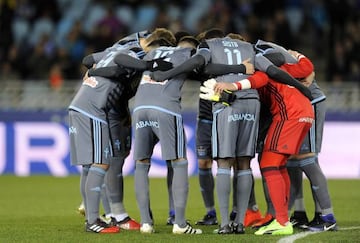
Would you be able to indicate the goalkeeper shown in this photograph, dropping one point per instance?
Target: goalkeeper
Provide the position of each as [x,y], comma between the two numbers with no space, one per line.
[293,111]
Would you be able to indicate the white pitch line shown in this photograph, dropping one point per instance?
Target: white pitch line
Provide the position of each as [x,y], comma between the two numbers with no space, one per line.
[350,228]
[293,238]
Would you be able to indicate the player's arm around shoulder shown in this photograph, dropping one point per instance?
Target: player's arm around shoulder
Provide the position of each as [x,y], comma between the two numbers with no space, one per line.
[303,68]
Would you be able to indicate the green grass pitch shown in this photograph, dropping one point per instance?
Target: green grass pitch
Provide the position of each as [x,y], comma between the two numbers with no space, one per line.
[43,209]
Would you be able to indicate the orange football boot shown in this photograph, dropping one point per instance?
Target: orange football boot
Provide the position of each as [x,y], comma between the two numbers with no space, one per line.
[252,217]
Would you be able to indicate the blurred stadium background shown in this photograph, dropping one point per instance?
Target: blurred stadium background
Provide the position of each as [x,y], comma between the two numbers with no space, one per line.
[42,43]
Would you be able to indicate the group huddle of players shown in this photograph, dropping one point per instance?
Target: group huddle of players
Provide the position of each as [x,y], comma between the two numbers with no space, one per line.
[254,98]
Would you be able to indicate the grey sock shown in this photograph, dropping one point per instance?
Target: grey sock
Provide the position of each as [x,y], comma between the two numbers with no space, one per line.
[94,182]
[83,178]
[169,181]
[252,200]
[180,188]
[223,189]
[317,205]
[296,189]
[115,185]
[104,198]
[142,191]
[206,181]
[234,195]
[318,183]
[244,181]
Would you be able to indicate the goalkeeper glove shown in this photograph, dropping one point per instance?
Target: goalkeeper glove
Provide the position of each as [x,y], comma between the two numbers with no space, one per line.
[207,93]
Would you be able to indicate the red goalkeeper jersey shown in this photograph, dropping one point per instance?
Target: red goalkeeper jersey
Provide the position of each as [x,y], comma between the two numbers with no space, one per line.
[286,102]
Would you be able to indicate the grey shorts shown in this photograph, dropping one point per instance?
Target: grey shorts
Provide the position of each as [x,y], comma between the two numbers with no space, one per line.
[313,140]
[89,140]
[120,134]
[235,129]
[203,139]
[152,126]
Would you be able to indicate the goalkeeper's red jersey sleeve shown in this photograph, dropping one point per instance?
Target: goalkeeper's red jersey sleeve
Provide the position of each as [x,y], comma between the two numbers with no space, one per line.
[255,81]
[258,79]
[303,68]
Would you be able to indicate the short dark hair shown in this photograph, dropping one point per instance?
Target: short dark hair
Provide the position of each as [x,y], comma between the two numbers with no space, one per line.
[189,38]
[160,42]
[214,33]
[178,35]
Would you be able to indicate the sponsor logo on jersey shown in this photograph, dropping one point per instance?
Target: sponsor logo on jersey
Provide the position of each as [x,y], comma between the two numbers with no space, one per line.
[72,130]
[241,117]
[306,119]
[147,80]
[142,124]
[91,82]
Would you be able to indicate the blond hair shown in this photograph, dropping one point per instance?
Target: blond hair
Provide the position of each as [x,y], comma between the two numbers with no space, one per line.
[236,36]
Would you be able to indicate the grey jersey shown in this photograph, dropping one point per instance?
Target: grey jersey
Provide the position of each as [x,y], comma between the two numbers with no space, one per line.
[266,47]
[320,111]
[92,96]
[166,95]
[108,55]
[232,52]
[313,140]
[106,58]
[263,47]
[317,93]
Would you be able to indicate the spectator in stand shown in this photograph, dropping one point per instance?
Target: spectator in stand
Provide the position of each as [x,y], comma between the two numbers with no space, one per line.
[23,22]
[24,12]
[6,16]
[38,62]
[56,77]
[338,66]
[44,25]
[7,73]
[113,23]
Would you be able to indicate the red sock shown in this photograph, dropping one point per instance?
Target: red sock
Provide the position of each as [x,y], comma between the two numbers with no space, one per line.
[286,178]
[277,192]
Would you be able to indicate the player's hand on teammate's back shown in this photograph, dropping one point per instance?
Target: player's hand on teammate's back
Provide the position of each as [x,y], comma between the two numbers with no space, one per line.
[159,64]
[158,68]
[207,92]
[250,69]
[86,75]
[308,80]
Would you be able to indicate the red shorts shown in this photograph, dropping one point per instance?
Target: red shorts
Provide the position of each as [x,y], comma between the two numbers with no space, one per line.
[287,136]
